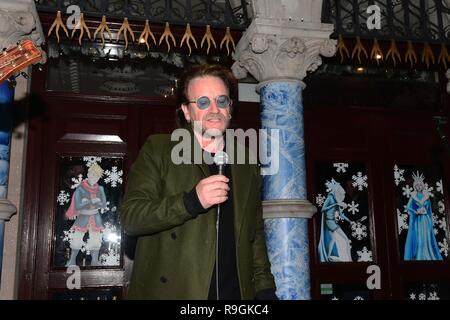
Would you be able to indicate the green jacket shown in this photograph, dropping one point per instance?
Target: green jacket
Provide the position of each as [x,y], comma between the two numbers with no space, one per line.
[175,252]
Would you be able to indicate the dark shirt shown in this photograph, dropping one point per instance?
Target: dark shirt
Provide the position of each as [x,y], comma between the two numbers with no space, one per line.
[228,276]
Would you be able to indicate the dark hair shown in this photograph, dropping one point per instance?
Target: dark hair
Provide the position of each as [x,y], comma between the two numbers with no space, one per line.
[198,71]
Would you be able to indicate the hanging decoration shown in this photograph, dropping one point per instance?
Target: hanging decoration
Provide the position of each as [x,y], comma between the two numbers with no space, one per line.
[58,24]
[208,37]
[102,28]
[427,54]
[166,35]
[227,39]
[188,36]
[126,29]
[358,49]
[376,52]
[393,53]
[143,38]
[411,54]
[82,26]
[444,56]
[342,48]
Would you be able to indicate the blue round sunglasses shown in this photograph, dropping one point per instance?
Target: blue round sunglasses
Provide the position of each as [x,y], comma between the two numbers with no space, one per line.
[204,102]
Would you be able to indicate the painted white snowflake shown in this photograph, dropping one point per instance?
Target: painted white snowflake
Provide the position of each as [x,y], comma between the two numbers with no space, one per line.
[110,259]
[402,221]
[428,190]
[69,238]
[114,209]
[441,207]
[412,296]
[320,199]
[422,296]
[114,177]
[91,160]
[443,247]
[433,296]
[434,218]
[337,216]
[340,167]
[68,235]
[105,209]
[76,181]
[360,181]
[398,175]
[442,224]
[436,231]
[364,255]
[359,231]
[439,187]
[407,191]
[353,207]
[335,298]
[63,198]
[358,298]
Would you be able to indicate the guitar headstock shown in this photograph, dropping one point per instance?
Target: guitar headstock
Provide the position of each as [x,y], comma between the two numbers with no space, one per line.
[16,59]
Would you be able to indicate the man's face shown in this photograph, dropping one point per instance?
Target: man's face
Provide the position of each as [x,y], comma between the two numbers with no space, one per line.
[213,118]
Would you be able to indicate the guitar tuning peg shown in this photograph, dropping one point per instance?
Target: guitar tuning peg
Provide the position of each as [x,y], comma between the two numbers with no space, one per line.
[12,83]
[40,67]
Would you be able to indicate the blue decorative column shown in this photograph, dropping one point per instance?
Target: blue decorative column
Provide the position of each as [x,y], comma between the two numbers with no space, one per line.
[6,208]
[283,43]
[287,238]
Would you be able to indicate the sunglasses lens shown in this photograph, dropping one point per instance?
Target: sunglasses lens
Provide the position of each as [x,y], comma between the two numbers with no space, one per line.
[203,102]
[223,101]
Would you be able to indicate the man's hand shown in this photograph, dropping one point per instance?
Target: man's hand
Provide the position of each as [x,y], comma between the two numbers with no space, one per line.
[212,190]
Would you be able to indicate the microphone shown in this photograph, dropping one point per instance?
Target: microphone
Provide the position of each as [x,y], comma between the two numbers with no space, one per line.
[220,159]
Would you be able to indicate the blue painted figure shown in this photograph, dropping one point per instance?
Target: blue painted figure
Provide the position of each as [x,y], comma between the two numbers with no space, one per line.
[420,242]
[87,200]
[334,245]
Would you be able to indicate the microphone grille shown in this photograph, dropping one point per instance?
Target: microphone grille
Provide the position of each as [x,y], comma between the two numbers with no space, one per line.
[221,158]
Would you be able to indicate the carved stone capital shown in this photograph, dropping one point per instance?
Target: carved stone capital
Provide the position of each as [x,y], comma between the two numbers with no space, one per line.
[7,210]
[276,49]
[18,21]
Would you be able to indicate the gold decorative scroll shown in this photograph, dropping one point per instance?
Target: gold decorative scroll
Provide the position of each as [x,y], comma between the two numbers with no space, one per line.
[411,54]
[376,52]
[188,36]
[143,38]
[166,35]
[227,39]
[358,49]
[208,37]
[444,56]
[126,29]
[103,28]
[393,53]
[342,48]
[83,27]
[427,54]
[58,24]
